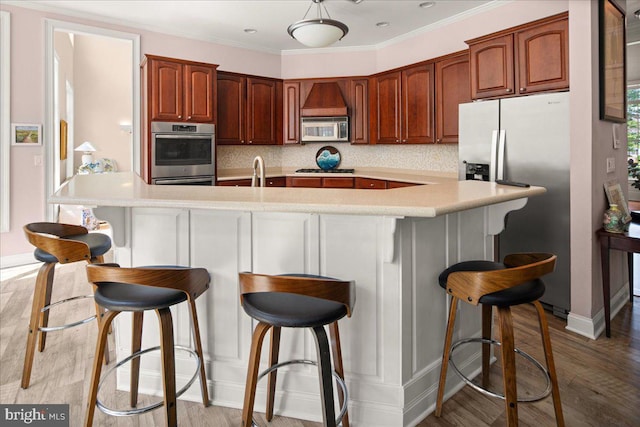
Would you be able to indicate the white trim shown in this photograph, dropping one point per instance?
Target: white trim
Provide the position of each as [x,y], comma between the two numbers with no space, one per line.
[52,25]
[5,119]
[592,328]
[17,260]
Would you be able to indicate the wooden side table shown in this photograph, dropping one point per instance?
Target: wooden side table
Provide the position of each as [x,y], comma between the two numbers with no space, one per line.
[628,242]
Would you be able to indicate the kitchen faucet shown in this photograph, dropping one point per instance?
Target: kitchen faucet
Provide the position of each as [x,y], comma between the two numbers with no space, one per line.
[258,163]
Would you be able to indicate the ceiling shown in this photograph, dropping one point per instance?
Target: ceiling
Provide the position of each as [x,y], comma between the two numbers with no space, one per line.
[225,21]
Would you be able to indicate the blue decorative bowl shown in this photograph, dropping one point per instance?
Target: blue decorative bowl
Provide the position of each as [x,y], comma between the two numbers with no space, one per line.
[328,158]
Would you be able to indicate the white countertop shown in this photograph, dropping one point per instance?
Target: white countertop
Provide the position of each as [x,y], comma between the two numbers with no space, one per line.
[443,195]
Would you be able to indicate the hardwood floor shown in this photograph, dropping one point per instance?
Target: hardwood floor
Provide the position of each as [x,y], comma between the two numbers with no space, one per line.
[599,380]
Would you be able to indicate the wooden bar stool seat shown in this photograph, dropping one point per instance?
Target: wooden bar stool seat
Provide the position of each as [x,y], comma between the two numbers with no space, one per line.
[516,281]
[137,290]
[57,243]
[297,301]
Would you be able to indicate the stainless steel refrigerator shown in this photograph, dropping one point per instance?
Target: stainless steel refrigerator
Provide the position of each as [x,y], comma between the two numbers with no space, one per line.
[526,139]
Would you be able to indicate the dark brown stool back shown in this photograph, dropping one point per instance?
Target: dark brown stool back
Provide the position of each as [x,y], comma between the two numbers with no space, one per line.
[56,243]
[516,281]
[296,301]
[137,290]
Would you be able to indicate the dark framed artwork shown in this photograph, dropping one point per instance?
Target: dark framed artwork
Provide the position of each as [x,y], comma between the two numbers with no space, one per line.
[613,67]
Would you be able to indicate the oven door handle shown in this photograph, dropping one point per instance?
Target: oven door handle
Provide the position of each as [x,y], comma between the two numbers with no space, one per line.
[181,181]
[182,136]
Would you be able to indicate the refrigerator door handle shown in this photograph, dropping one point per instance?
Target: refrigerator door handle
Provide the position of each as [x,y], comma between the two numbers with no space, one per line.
[501,144]
[494,156]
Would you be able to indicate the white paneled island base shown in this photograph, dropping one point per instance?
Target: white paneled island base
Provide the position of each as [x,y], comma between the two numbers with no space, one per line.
[392,345]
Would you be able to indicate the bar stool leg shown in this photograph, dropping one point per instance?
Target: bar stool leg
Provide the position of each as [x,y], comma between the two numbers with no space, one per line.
[44,315]
[487,311]
[198,345]
[136,345]
[45,275]
[252,372]
[273,359]
[325,376]
[551,367]
[446,351]
[99,310]
[334,335]
[103,332]
[508,365]
[168,366]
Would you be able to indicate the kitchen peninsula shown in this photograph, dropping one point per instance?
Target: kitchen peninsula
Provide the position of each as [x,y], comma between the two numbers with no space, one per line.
[393,243]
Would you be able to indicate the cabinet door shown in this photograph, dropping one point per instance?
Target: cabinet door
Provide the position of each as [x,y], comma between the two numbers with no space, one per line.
[358,93]
[543,57]
[291,117]
[261,111]
[304,181]
[491,65]
[417,105]
[166,90]
[452,89]
[231,109]
[199,94]
[370,183]
[337,182]
[386,118]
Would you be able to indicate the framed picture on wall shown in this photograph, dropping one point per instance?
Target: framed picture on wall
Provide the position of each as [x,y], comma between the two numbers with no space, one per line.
[63,140]
[26,135]
[613,69]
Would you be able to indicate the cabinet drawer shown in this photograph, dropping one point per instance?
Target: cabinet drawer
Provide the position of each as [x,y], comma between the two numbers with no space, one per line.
[278,181]
[337,182]
[399,184]
[303,181]
[370,183]
[235,183]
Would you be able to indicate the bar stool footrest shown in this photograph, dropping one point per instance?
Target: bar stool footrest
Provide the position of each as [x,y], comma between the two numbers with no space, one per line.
[144,410]
[488,392]
[339,381]
[68,325]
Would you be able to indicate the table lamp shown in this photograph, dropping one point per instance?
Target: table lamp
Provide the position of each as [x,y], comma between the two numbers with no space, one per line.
[87,149]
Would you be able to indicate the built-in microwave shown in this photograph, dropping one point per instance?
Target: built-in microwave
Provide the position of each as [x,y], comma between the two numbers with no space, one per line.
[325,129]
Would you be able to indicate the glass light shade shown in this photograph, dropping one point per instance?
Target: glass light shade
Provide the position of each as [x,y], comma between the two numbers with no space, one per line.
[86,147]
[318,32]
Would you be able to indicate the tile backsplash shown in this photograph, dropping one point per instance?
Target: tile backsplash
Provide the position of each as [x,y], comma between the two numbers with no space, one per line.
[442,158]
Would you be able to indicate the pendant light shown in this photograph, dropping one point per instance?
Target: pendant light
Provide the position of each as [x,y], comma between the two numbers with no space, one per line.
[319,32]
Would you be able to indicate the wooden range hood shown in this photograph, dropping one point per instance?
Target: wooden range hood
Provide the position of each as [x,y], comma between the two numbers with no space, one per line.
[324,100]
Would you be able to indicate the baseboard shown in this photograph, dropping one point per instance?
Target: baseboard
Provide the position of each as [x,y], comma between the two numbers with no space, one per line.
[593,327]
[17,260]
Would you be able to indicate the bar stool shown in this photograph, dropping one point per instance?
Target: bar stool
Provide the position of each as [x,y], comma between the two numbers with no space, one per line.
[297,301]
[137,290]
[515,282]
[57,243]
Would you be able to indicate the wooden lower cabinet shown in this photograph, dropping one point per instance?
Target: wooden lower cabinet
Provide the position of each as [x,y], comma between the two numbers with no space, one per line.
[370,183]
[319,182]
[278,181]
[399,184]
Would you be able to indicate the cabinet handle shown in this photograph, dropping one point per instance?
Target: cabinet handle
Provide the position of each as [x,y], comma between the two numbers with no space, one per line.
[189,118]
[438,141]
[523,89]
[180,117]
[242,142]
[404,140]
[508,90]
[370,185]
[250,142]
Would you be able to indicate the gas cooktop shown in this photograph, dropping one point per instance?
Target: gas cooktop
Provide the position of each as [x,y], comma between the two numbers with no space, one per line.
[324,171]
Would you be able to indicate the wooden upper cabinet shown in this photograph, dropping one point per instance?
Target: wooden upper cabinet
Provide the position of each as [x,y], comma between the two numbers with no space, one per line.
[543,57]
[291,118]
[231,109]
[452,89]
[531,58]
[402,106]
[249,110]
[262,111]
[200,101]
[491,63]
[181,90]
[359,103]
[418,105]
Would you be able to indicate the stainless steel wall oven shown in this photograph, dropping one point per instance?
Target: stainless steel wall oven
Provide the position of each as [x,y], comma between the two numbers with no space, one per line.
[182,153]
